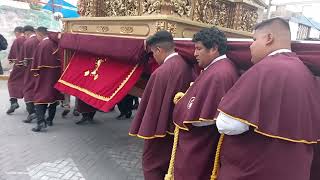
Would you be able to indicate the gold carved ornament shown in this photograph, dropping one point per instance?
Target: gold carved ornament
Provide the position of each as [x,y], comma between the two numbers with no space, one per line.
[181,7]
[215,12]
[121,8]
[248,17]
[151,6]
[94,72]
[170,27]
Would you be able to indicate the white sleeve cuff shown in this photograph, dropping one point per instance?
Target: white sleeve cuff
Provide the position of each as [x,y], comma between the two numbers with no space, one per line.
[230,126]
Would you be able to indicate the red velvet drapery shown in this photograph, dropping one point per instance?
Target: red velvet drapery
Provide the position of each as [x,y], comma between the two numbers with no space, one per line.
[124,60]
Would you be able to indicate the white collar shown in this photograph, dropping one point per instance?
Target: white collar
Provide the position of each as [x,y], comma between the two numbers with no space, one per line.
[279,51]
[215,60]
[46,38]
[32,35]
[170,56]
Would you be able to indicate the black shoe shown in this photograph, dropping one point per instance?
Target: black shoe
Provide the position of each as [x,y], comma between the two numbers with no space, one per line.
[91,121]
[82,120]
[39,127]
[50,123]
[76,113]
[30,118]
[12,108]
[121,117]
[65,112]
[128,115]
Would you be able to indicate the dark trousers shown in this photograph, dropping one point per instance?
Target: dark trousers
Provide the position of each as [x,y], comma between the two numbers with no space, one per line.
[41,111]
[13,100]
[126,105]
[1,70]
[88,115]
[156,157]
[136,100]
[30,108]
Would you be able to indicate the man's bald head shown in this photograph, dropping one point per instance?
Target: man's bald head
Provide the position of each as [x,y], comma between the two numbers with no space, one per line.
[270,35]
[278,26]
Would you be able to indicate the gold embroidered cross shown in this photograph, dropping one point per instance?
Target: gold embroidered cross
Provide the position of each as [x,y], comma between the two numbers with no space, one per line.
[94,72]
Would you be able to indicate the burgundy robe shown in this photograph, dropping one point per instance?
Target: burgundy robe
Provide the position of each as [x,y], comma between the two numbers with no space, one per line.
[197,145]
[153,120]
[315,168]
[29,48]
[16,78]
[46,67]
[278,98]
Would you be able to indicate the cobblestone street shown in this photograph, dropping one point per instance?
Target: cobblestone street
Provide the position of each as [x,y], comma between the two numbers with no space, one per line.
[100,151]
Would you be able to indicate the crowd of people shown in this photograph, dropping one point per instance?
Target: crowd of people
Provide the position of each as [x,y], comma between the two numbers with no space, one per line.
[260,124]
[226,124]
[36,68]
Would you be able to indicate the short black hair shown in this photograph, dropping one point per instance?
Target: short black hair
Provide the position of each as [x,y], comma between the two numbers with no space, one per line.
[18,29]
[28,28]
[211,38]
[268,22]
[163,39]
[42,30]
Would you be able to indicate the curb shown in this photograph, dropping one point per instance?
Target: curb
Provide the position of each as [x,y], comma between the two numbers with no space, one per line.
[4,77]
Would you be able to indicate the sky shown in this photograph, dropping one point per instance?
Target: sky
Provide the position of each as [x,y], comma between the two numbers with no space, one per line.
[309,9]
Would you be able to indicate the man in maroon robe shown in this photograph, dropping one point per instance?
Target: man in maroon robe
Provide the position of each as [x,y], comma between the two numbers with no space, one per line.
[15,81]
[270,117]
[153,120]
[195,112]
[46,68]
[28,50]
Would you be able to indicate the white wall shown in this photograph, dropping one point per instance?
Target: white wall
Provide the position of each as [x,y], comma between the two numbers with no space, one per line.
[14,4]
[314,33]
[294,30]
[11,16]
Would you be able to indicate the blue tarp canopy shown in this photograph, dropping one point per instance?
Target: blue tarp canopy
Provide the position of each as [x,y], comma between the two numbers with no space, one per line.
[68,10]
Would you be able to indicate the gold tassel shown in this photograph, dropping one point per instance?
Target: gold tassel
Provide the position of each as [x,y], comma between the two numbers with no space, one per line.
[170,174]
[214,174]
[177,97]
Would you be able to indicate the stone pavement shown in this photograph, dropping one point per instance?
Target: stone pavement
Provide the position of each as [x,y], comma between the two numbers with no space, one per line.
[100,151]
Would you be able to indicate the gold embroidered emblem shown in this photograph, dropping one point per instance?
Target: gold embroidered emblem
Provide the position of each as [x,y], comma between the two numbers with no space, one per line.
[94,72]
[191,102]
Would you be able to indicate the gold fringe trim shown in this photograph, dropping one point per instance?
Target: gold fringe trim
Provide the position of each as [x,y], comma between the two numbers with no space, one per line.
[270,135]
[97,96]
[214,174]
[199,120]
[183,128]
[170,173]
[151,137]
[51,67]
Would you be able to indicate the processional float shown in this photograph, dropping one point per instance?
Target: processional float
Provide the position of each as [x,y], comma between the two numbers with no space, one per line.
[104,50]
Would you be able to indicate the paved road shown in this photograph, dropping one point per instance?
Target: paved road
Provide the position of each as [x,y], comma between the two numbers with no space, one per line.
[101,151]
